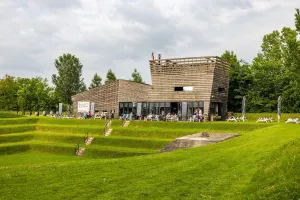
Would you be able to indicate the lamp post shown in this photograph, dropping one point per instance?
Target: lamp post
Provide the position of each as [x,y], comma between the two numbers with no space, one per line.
[279,108]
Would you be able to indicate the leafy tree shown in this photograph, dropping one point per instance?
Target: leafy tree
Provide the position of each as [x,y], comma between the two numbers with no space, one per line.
[68,81]
[240,80]
[110,76]
[8,93]
[96,81]
[83,88]
[297,20]
[33,94]
[136,76]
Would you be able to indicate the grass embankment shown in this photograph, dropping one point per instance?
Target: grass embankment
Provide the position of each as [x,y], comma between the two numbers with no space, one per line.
[60,136]
[262,164]
[173,130]
[10,115]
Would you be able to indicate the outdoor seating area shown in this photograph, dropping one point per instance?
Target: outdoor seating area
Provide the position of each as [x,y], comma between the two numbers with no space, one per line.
[292,120]
[57,115]
[168,118]
[127,116]
[102,115]
[265,120]
[197,118]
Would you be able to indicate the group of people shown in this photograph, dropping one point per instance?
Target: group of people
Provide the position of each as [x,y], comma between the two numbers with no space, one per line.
[86,115]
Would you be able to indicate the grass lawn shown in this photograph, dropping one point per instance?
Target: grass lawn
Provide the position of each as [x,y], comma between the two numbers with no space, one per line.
[38,164]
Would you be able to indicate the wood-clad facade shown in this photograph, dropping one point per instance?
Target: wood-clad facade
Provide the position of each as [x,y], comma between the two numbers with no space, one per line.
[178,85]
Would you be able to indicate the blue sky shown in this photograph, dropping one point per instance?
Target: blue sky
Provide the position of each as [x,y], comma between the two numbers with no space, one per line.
[121,34]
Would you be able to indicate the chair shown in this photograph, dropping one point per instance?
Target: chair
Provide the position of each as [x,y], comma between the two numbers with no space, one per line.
[232,119]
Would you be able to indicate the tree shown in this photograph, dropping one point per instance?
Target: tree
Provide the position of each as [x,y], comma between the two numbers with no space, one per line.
[240,80]
[96,81]
[110,76]
[83,88]
[8,93]
[34,94]
[297,20]
[136,76]
[68,81]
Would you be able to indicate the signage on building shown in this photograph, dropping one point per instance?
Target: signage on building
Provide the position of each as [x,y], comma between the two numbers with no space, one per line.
[83,106]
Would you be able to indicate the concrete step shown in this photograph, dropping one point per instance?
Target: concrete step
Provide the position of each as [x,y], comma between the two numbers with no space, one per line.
[80,151]
[126,124]
[108,132]
[89,141]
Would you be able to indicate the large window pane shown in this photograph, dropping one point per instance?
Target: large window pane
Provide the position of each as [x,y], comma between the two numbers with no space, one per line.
[168,108]
[121,109]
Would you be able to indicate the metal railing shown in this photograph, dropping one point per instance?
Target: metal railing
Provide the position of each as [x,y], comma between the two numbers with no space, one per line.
[123,123]
[77,148]
[86,137]
[106,127]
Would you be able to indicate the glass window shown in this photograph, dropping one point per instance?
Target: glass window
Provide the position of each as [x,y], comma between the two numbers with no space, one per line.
[151,108]
[121,109]
[201,104]
[168,108]
[130,108]
[190,109]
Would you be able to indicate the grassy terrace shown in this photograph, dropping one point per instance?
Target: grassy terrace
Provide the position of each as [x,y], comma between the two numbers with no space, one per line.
[37,161]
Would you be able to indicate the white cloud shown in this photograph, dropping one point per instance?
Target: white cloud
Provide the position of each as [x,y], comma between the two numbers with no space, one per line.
[121,34]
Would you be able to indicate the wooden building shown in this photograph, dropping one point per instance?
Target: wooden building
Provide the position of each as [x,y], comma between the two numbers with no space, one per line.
[179,85]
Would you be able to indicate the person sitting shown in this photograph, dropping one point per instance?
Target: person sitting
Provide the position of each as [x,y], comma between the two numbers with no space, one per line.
[89,115]
[168,117]
[84,115]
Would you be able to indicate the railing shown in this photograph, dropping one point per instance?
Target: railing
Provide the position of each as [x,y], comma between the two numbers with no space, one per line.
[86,137]
[188,60]
[77,148]
[124,121]
[106,127]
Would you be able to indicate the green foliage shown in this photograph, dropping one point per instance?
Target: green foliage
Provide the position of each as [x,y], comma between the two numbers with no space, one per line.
[297,20]
[34,94]
[8,93]
[274,72]
[110,76]
[240,78]
[68,81]
[96,81]
[136,76]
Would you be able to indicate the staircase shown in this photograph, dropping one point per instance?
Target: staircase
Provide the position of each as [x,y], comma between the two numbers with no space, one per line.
[126,124]
[80,151]
[108,132]
[89,141]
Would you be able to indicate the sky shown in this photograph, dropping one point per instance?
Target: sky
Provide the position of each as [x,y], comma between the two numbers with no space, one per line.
[122,34]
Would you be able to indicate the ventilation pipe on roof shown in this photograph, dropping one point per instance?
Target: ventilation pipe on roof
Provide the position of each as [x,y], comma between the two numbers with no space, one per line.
[159,57]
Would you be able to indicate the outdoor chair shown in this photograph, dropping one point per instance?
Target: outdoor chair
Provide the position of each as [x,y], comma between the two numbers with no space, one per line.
[232,119]
[292,120]
[265,119]
[156,118]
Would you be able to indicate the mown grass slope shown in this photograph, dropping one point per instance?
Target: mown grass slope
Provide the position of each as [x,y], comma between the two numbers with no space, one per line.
[261,164]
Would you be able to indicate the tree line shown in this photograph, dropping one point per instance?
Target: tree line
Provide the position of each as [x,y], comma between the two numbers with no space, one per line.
[35,94]
[275,71]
